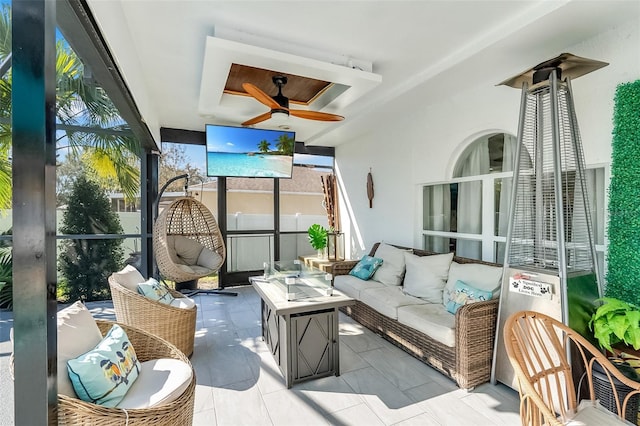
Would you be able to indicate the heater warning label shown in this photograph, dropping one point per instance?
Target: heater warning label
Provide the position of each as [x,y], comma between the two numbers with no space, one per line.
[522,285]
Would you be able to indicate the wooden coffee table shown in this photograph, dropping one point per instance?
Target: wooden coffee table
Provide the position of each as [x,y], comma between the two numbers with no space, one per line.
[300,320]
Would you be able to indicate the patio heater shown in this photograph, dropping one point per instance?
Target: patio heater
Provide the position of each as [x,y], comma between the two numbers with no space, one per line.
[550,260]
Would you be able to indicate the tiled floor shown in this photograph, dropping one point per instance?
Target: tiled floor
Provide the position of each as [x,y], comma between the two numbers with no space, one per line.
[238,381]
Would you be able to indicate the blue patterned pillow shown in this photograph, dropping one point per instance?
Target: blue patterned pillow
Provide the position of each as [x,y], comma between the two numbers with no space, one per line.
[464,294]
[155,291]
[366,267]
[104,374]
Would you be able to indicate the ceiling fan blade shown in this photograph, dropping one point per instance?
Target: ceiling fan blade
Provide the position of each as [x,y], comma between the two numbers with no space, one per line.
[315,115]
[258,119]
[260,95]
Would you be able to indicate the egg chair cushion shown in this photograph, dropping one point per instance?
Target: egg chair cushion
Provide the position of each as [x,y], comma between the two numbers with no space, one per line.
[187,249]
[209,259]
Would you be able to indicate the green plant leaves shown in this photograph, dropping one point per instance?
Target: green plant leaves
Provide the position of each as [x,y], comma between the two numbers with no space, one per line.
[317,236]
[616,321]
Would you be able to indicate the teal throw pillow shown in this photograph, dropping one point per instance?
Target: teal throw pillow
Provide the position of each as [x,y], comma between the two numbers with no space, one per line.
[464,294]
[366,267]
[104,374]
[155,291]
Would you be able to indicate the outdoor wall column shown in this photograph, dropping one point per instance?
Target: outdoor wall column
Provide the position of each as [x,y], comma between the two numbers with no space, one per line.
[34,211]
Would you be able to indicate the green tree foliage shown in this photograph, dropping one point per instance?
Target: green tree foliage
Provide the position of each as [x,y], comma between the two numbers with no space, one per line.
[86,264]
[173,162]
[79,102]
[624,197]
[285,144]
[263,146]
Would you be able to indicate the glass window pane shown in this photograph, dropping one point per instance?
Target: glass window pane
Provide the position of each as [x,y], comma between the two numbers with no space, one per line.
[502,204]
[249,204]
[437,209]
[437,244]
[248,252]
[301,200]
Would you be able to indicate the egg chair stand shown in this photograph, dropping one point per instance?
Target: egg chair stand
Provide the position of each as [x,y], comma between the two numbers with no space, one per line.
[187,242]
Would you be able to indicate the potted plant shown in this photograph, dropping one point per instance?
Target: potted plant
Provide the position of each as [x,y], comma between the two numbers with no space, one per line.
[616,327]
[318,238]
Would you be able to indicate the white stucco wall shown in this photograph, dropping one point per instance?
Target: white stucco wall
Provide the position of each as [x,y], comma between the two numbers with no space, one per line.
[424,146]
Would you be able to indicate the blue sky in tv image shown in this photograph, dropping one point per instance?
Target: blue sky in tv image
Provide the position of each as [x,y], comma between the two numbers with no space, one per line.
[242,139]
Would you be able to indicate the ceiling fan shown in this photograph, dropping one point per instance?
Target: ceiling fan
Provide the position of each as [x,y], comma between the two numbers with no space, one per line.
[279,104]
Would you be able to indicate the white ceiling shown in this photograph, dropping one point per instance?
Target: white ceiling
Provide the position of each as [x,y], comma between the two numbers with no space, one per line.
[419,52]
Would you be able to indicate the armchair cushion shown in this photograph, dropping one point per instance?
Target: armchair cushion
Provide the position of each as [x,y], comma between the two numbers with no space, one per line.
[160,381]
[183,303]
[426,276]
[392,268]
[104,374]
[129,277]
[73,321]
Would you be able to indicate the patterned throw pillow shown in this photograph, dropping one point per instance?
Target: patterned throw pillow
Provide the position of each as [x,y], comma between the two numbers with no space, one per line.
[104,374]
[366,267]
[155,291]
[464,294]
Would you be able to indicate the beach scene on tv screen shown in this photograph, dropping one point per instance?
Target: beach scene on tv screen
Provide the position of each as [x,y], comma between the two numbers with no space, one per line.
[247,152]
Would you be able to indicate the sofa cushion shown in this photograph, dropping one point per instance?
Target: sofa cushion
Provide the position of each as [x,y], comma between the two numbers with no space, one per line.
[73,321]
[386,300]
[105,374]
[392,269]
[431,319]
[482,277]
[366,267]
[463,294]
[352,286]
[161,381]
[129,277]
[426,276]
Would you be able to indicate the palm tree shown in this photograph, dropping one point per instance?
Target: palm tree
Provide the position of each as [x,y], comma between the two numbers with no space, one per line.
[263,146]
[108,156]
[285,144]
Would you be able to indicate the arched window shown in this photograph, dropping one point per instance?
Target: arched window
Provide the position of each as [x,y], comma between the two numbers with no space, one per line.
[470,213]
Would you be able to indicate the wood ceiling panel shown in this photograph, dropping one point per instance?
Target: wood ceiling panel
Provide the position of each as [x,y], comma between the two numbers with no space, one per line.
[299,90]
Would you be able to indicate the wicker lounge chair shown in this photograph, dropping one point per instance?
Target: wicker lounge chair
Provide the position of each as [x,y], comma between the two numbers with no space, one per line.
[72,411]
[174,324]
[555,391]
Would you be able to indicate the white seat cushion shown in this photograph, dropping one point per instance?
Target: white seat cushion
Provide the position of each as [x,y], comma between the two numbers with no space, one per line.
[187,249]
[201,270]
[183,302]
[160,381]
[78,333]
[386,300]
[431,319]
[596,415]
[129,277]
[209,259]
[352,286]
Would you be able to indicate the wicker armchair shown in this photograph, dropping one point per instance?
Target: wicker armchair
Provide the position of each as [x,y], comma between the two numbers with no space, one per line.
[176,325]
[72,411]
[555,391]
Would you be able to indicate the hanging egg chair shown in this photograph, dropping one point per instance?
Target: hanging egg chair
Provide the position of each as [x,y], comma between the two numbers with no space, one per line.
[187,241]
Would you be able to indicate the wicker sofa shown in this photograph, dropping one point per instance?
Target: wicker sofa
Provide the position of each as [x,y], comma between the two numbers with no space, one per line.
[466,358]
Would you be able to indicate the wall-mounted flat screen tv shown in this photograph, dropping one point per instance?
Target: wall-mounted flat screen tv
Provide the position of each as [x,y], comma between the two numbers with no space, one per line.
[249,152]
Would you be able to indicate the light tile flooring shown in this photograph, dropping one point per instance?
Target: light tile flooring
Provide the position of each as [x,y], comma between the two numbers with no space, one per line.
[239,383]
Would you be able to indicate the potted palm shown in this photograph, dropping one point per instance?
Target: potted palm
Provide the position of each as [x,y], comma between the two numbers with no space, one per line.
[318,238]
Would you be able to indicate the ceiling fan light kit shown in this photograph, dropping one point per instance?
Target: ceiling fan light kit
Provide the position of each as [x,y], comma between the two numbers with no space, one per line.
[279,106]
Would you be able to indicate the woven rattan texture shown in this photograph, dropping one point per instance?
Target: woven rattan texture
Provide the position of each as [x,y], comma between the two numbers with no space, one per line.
[189,218]
[468,363]
[72,411]
[176,325]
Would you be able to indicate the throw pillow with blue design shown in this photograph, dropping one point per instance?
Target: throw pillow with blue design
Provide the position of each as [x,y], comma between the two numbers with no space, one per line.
[366,267]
